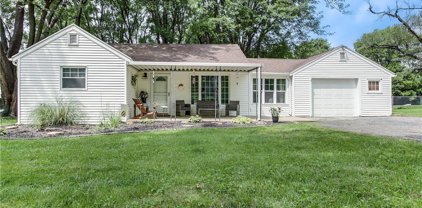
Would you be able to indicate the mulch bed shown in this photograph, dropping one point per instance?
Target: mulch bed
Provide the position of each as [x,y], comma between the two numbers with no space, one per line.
[30,132]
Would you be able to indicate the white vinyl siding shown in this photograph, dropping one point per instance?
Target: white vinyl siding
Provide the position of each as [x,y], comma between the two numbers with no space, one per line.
[40,78]
[282,88]
[369,104]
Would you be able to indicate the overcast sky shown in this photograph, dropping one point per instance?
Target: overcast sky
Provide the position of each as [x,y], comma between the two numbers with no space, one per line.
[347,28]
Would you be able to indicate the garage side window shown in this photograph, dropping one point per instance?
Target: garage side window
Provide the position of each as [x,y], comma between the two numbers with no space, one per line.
[373,86]
[73,78]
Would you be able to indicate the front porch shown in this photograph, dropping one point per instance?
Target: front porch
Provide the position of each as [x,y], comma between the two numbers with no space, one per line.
[175,89]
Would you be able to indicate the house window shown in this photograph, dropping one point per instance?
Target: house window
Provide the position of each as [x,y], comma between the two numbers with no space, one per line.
[73,78]
[274,90]
[374,86]
[224,89]
[255,90]
[73,39]
[281,91]
[194,90]
[209,88]
[269,91]
[343,56]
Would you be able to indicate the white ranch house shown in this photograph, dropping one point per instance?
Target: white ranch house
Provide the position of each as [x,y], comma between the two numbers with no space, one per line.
[104,78]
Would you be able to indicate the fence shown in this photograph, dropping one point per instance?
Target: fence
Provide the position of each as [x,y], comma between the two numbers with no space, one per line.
[407,100]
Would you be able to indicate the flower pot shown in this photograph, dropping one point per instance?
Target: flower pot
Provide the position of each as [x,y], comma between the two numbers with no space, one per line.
[275,119]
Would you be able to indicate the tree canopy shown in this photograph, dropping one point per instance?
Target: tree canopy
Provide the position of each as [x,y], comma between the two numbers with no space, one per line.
[407,82]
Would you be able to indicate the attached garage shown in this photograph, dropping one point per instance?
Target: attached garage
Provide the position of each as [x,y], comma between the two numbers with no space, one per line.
[334,97]
[341,83]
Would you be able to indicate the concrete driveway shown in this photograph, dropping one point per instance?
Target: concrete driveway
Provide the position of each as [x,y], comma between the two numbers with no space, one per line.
[404,127]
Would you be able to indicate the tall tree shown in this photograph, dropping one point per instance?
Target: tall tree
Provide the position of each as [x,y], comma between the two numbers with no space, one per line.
[311,48]
[406,83]
[409,15]
[11,44]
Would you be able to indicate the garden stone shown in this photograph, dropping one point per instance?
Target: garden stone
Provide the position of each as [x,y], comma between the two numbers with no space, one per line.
[11,127]
[55,133]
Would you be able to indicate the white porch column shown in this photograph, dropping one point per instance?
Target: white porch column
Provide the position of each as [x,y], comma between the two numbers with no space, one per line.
[258,87]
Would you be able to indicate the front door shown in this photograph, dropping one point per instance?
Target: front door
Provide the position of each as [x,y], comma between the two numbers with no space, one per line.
[161,93]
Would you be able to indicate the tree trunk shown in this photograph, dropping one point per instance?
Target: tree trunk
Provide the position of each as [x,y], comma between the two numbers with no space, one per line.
[7,69]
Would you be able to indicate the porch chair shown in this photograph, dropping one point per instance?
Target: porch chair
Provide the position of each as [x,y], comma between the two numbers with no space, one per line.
[233,106]
[144,110]
[181,106]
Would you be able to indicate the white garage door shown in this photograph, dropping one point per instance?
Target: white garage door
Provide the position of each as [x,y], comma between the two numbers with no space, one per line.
[334,97]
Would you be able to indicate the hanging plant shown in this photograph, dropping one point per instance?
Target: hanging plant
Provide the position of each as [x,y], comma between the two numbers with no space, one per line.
[133,80]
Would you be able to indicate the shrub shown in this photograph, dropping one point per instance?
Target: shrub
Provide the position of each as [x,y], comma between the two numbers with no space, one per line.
[59,113]
[195,119]
[242,120]
[275,111]
[111,121]
[3,132]
[146,121]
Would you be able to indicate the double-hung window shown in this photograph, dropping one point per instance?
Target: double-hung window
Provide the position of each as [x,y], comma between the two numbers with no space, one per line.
[269,91]
[374,86]
[273,90]
[281,91]
[73,78]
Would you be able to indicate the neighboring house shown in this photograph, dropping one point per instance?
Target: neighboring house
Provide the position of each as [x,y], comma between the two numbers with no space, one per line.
[104,78]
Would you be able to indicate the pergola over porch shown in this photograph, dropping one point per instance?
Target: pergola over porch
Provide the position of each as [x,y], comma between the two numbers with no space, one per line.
[203,67]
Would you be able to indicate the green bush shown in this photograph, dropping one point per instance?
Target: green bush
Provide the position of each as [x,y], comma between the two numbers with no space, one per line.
[3,132]
[195,119]
[59,113]
[111,121]
[146,121]
[242,120]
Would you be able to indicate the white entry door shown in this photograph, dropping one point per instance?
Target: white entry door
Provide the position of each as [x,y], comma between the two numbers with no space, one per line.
[161,93]
[334,97]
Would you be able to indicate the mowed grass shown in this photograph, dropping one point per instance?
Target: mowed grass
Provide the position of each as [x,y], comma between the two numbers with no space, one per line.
[411,110]
[5,121]
[291,165]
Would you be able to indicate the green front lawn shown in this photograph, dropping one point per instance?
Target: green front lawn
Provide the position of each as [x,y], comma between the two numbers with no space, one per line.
[412,110]
[291,165]
[5,121]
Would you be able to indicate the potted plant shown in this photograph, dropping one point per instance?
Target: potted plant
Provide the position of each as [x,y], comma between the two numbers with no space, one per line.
[275,113]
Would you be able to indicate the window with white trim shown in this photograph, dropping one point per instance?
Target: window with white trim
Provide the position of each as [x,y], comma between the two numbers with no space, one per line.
[73,39]
[274,91]
[255,90]
[73,78]
[373,86]
[281,91]
[268,90]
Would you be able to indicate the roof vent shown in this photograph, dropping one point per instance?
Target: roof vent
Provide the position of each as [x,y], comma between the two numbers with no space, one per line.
[73,39]
[342,56]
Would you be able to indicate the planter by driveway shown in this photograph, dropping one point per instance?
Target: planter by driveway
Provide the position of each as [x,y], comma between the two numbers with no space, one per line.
[405,127]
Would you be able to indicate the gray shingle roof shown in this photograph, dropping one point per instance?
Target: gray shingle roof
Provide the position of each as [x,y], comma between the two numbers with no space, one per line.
[211,53]
[215,53]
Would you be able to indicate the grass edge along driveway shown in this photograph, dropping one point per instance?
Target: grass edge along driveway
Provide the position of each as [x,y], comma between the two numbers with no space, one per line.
[408,111]
[291,165]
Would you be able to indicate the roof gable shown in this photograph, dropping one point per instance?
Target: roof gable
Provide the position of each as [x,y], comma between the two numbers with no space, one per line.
[315,59]
[64,31]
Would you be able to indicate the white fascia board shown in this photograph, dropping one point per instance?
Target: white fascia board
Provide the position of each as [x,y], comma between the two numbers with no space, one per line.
[61,33]
[247,66]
